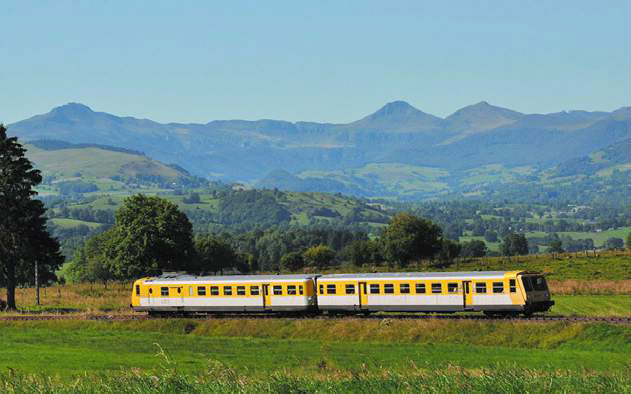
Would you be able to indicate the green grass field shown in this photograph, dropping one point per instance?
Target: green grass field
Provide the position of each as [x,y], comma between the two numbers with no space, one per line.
[604,265]
[259,348]
[599,305]
[334,355]
[72,223]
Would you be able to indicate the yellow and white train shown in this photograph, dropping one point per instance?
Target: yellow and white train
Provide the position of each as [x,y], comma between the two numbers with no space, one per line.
[491,292]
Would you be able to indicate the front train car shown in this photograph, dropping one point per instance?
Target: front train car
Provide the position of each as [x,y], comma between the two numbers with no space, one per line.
[178,293]
[491,292]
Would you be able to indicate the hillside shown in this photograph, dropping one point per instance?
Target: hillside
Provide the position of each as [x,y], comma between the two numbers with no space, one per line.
[67,160]
[334,157]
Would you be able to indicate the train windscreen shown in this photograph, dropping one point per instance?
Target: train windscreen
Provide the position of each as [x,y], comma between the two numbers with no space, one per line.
[539,283]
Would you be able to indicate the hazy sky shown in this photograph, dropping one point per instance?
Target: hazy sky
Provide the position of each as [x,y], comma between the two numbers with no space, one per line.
[194,61]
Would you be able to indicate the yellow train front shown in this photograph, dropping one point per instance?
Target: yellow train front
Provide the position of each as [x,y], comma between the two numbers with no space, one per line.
[491,292]
[173,293]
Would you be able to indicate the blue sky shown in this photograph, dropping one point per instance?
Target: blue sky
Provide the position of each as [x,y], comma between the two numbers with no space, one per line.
[195,61]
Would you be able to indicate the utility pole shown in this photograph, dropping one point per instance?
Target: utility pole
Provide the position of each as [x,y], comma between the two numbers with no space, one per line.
[37,282]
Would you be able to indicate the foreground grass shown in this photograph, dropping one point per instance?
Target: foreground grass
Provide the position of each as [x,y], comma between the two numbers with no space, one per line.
[257,348]
[221,379]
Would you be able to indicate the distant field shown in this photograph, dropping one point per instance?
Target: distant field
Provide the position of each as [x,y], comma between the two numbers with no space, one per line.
[600,237]
[603,265]
[71,223]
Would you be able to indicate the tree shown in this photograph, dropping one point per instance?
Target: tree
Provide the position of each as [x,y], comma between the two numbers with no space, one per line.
[614,243]
[319,256]
[514,245]
[363,251]
[490,236]
[409,238]
[449,251]
[556,246]
[474,248]
[150,235]
[292,261]
[90,264]
[629,241]
[193,198]
[215,254]
[25,245]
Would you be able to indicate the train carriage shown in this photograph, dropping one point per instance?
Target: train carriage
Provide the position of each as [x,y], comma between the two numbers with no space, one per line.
[238,293]
[490,292]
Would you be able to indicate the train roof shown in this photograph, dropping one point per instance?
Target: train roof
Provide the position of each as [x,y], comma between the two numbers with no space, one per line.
[178,278]
[431,275]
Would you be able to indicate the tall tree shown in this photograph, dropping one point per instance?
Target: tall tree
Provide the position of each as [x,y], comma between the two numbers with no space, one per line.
[215,254]
[474,248]
[409,238]
[515,245]
[24,240]
[319,256]
[150,235]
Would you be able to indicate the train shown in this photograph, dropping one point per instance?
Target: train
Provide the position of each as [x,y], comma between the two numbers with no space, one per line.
[490,292]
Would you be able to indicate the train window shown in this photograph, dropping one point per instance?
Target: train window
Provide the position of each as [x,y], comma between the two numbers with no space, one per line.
[539,283]
[254,290]
[452,287]
[137,290]
[498,287]
[214,290]
[227,290]
[480,287]
[301,289]
[512,285]
[321,289]
[164,291]
[179,290]
[404,288]
[150,290]
[420,288]
[291,290]
[437,288]
[241,290]
[190,291]
[201,290]
[330,289]
[374,288]
[388,288]
[350,289]
[527,283]
[277,290]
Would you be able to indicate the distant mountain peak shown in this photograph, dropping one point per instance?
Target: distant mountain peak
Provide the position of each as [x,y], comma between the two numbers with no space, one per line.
[399,116]
[72,108]
[481,116]
[398,107]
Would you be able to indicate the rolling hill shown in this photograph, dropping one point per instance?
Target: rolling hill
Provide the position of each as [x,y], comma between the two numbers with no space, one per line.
[62,159]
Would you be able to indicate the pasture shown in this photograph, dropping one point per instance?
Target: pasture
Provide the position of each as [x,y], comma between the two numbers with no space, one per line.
[336,355]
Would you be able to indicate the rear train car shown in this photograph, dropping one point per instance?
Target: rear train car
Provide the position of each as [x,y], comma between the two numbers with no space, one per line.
[171,293]
[491,292]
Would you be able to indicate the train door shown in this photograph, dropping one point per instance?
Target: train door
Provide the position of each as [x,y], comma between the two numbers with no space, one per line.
[363,295]
[266,298]
[178,296]
[467,294]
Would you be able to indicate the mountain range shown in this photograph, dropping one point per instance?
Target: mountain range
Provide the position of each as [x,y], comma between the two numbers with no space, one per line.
[398,150]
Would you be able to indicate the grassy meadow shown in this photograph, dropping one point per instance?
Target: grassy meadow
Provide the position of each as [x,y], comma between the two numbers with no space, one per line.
[338,355]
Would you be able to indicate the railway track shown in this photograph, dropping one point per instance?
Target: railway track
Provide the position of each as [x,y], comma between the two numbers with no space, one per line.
[482,318]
